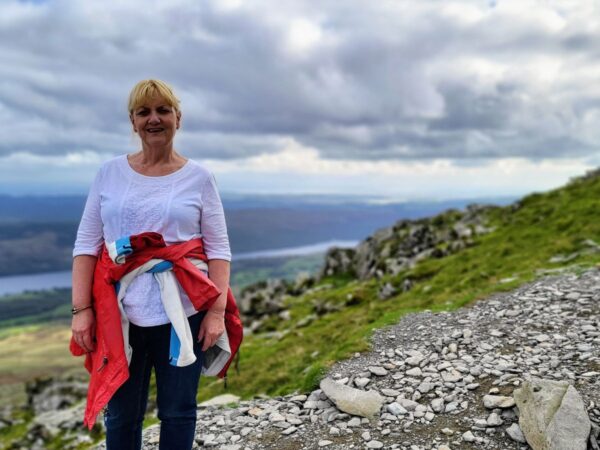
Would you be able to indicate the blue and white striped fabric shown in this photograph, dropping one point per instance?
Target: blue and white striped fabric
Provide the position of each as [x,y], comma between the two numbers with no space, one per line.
[119,250]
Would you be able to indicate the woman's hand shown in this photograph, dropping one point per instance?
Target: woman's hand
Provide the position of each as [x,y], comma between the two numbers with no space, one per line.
[83,324]
[83,327]
[212,326]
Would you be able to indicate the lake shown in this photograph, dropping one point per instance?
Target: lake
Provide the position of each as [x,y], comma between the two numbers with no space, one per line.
[16,284]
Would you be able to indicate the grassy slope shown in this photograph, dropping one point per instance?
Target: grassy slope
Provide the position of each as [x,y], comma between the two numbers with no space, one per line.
[524,240]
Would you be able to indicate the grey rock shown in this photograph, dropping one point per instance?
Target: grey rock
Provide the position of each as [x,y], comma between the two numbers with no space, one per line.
[396,409]
[351,400]
[219,400]
[378,370]
[498,401]
[552,415]
[515,433]
[494,420]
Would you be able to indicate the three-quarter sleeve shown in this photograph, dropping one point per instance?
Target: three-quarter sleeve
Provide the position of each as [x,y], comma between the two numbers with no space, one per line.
[89,234]
[212,222]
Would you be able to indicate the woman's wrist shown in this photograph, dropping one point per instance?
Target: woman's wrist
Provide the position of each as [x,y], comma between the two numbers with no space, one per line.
[78,309]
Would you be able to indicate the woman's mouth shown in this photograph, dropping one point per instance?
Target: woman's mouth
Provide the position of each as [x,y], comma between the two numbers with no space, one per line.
[154,130]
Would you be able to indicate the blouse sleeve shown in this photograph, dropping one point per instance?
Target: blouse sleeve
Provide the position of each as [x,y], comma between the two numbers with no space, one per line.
[89,234]
[212,223]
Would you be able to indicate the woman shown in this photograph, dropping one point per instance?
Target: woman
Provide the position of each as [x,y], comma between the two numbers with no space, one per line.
[154,190]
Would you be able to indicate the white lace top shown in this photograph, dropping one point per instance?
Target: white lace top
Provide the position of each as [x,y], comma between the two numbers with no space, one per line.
[181,206]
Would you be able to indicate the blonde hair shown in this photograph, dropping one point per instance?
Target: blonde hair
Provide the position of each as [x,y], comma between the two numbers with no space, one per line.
[150,89]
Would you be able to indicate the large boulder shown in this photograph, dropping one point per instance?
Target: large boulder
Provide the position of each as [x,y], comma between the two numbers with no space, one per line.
[351,400]
[50,394]
[552,415]
[338,261]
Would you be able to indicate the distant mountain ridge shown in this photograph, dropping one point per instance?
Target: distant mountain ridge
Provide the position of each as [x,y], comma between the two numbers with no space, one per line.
[37,233]
[57,208]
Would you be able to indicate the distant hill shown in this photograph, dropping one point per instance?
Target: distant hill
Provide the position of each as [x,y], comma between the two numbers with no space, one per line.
[37,233]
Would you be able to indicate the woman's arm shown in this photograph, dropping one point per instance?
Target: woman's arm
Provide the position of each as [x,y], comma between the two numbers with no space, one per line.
[213,324]
[83,323]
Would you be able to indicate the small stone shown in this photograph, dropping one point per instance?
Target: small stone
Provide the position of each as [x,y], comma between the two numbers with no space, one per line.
[361,382]
[451,376]
[424,387]
[324,443]
[515,433]
[396,409]
[407,404]
[354,422]
[390,392]
[468,437]
[374,444]
[494,420]
[437,404]
[378,370]
[498,401]
[414,372]
[414,360]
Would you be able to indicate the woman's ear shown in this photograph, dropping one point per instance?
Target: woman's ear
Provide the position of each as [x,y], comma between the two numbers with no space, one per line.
[178,122]
[132,124]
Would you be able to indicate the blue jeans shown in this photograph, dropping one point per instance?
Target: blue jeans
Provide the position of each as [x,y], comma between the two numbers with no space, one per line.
[176,391]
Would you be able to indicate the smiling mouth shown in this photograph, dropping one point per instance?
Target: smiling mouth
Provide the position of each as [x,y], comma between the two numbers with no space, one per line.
[154,130]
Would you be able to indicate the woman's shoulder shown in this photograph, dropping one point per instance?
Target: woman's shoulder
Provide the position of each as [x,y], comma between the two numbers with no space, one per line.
[113,162]
[112,167]
[199,169]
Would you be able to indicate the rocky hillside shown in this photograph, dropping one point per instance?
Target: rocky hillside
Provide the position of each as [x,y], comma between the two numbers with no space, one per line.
[298,333]
[444,381]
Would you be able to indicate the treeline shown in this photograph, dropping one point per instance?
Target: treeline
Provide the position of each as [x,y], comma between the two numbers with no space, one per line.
[35,307]
[35,247]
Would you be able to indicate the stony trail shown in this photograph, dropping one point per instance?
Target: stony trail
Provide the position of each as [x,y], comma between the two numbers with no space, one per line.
[434,371]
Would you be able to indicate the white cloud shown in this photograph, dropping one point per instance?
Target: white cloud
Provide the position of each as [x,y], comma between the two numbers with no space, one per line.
[364,87]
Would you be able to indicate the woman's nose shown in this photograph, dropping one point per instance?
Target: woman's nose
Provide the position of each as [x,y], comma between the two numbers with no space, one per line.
[153,117]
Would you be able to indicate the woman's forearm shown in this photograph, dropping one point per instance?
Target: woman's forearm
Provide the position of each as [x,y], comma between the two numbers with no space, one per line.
[83,274]
[218,272]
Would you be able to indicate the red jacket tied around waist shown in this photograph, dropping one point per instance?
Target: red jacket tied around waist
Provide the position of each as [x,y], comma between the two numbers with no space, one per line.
[107,364]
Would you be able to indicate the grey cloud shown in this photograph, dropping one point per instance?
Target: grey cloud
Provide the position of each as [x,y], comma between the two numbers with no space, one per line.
[386,81]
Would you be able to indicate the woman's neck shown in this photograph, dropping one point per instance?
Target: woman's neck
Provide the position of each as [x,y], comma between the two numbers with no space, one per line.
[150,156]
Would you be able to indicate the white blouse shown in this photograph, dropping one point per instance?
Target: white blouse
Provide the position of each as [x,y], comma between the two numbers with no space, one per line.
[181,206]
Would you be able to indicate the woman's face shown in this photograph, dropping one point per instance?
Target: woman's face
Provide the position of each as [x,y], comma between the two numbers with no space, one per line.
[155,122]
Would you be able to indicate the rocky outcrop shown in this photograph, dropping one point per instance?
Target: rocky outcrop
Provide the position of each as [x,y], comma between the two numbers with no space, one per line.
[338,261]
[51,394]
[447,380]
[389,251]
[552,415]
[398,248]
[57,409]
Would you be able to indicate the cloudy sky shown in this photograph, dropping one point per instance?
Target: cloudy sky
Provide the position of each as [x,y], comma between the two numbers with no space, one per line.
[404,99]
